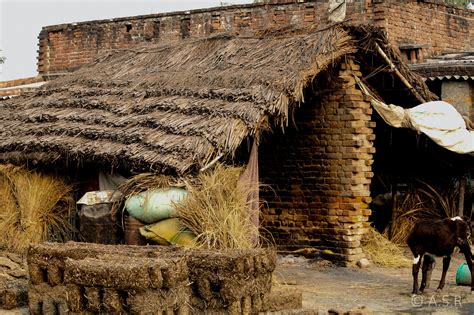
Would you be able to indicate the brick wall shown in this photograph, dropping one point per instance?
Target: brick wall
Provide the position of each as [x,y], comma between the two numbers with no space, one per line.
[320,171]
[22,81]
[68,46]
[431,23]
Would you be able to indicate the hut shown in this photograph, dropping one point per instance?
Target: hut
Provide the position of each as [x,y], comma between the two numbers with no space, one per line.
[177,107]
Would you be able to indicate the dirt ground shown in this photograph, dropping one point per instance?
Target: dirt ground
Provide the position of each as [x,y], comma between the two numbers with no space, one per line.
[376,290]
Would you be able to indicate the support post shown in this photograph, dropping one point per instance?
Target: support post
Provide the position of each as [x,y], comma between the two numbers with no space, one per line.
[462,190]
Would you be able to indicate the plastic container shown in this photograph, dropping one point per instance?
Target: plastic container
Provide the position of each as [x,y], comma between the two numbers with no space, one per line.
[463,275]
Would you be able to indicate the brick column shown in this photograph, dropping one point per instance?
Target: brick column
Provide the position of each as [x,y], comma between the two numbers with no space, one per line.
[357,134]
[320,172]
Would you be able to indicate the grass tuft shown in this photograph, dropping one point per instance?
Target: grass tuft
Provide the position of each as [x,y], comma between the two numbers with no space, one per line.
[217,210]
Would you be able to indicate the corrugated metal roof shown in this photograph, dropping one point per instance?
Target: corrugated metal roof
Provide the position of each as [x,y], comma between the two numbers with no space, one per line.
[452,66]
[450,77]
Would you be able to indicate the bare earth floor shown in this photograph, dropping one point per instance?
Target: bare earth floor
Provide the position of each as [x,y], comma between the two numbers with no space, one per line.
[377,290]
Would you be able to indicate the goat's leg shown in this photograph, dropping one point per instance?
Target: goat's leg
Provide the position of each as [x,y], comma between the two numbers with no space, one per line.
[426,269]
[415,270]
[431,265]
[446,261]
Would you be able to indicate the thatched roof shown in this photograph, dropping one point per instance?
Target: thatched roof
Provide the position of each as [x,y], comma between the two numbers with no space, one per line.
[178,105]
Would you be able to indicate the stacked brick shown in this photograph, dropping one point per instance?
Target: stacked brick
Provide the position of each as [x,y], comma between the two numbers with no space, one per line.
[438,27]
[127,284]
[327,156]
[66,47]
[92,278]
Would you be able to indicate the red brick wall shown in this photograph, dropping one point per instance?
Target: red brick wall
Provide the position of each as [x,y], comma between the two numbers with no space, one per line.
[320,173]
[22,81]
[69,46]
[438,27]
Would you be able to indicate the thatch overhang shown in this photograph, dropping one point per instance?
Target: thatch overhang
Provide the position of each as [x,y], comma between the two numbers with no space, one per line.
[177,106]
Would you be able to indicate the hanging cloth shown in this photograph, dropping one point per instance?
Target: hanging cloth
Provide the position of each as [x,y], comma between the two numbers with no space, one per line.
[249,178]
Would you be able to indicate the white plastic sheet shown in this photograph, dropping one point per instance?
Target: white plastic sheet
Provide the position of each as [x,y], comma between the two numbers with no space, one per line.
[439,120]
[337,10]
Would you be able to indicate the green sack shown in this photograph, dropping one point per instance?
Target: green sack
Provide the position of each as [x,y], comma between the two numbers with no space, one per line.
[154,205]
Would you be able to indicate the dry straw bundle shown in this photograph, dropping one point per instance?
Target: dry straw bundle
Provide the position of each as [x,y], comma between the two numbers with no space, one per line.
[33,208]
[217,210]
[382,251]
[149,181]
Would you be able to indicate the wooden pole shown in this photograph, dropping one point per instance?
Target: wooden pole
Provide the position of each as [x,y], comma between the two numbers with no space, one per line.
[398,73]
[211,163]
[394,211]
[462,190]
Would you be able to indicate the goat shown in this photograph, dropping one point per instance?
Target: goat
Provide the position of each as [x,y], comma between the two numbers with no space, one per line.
[438,237]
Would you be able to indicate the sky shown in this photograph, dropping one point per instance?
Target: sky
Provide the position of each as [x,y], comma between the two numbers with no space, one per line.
[21,22]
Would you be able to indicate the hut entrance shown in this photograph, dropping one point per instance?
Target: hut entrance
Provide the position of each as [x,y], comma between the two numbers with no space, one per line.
[415,178]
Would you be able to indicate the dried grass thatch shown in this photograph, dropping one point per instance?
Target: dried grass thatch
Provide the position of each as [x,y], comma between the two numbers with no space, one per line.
[217,210]
[382,251]
[176,106]
[149,181]
[33,208]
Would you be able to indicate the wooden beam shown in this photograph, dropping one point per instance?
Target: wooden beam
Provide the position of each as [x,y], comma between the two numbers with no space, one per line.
[462,190]
[211,163]
[399,74]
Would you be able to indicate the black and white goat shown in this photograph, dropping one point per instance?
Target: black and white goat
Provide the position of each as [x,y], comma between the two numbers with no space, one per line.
[438,237]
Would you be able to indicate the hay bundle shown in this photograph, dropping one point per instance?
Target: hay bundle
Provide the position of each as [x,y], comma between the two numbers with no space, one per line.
[217,210]
[149,181]
[33,207]
[382,251]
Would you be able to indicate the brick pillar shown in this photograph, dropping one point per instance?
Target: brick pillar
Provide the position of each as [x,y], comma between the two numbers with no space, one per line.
[379,13]
[357,151]
[320,172]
